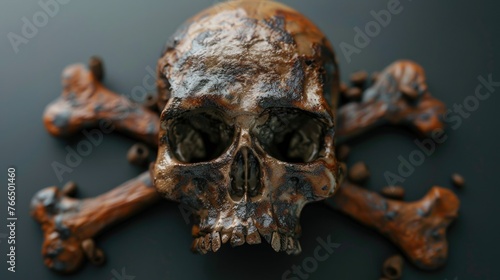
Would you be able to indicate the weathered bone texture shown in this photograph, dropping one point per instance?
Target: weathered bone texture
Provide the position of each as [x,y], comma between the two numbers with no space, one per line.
[86,103]
[66,222]
[399,97]
[418,228]
[246,137]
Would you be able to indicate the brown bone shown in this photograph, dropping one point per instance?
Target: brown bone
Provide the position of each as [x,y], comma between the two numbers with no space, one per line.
[85,103]
[82,92]
[399,97]
[418,228]
[67,222]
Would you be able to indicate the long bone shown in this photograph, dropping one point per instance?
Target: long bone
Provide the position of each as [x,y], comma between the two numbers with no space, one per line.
[398,97]
[418,228]
[85,103]
[67,222]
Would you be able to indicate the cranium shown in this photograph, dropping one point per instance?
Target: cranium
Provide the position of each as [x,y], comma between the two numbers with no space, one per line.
[247,129]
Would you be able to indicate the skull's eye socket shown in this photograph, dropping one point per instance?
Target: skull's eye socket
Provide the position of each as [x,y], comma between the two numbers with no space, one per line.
[291,135]
[199,136]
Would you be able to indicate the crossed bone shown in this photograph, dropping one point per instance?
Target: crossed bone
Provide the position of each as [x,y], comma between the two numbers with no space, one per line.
[85,103]
[67,222]
[398,97]
[417,228]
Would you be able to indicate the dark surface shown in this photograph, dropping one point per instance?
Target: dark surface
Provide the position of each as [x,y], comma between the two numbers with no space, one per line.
[455,43]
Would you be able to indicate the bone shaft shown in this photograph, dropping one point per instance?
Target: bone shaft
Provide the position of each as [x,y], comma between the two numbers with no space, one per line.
[140,128]
[364,206]
[116,205]
[355,119]
[133,120]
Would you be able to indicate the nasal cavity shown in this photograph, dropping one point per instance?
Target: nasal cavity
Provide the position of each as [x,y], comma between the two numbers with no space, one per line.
[245,175]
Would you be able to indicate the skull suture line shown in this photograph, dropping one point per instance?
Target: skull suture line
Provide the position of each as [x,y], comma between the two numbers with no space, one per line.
[247,131]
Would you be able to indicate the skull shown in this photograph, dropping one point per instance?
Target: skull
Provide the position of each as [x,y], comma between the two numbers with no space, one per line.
[247,131]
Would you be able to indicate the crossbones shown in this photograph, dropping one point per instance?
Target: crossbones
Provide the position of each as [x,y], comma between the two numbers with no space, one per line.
[245,139]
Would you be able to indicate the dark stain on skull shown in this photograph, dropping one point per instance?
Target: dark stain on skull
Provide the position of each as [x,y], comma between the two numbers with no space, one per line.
[247,126]
[238,62]
[285,94]
[300,184]
[277,26]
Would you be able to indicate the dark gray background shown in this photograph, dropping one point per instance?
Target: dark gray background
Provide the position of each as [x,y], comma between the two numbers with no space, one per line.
[455,41]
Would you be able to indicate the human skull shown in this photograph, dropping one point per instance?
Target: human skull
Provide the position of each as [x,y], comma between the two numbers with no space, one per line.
[247,131]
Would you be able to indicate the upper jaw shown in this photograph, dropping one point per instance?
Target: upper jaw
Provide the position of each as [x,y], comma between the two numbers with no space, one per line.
[211,240]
